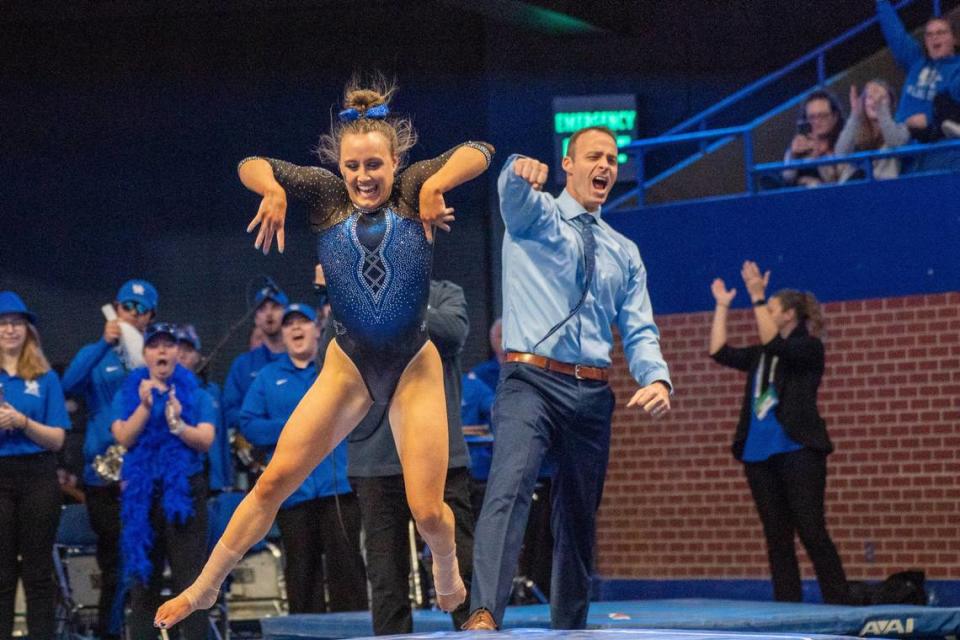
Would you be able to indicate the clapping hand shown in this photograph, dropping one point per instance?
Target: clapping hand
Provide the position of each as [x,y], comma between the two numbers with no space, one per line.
[10,418]
[856,102]
[755,282]
[721,294]
[173,410]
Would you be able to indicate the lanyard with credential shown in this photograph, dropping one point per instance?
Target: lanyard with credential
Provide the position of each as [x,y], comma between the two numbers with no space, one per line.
[759,378]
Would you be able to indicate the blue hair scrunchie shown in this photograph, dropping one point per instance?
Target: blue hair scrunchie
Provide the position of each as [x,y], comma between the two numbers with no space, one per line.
[378,112]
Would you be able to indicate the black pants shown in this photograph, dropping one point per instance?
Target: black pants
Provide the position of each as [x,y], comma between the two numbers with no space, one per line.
[103,506]
[383,507]
[184,546]
[29,515]
[788,490]
[322,547]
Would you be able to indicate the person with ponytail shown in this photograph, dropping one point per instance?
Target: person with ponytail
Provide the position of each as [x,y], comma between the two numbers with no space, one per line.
[374,228]
[33,424]
[166,422]
[781,438]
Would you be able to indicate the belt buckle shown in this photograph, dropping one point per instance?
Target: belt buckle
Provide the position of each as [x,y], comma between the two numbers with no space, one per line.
[576,372]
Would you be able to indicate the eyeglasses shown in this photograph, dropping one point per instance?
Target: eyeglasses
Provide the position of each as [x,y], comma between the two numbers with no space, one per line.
[134,307]
[819,116]
[937,32]
[14,322]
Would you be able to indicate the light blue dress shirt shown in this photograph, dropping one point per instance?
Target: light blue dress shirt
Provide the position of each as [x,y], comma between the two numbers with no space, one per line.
[543,278]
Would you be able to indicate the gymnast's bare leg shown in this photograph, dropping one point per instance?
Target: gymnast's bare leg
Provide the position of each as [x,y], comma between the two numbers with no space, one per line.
[333,406]
[418,417]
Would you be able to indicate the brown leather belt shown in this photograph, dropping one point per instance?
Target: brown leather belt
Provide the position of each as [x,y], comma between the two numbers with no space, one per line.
[578,371]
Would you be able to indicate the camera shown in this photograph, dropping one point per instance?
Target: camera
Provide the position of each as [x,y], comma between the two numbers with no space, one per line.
[804,128]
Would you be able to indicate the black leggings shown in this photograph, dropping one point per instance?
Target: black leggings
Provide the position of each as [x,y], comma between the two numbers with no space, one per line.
[29,515]
[788,490]
[184,546]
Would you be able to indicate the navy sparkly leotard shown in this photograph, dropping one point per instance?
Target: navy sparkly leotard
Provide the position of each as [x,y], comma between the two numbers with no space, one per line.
[377,265]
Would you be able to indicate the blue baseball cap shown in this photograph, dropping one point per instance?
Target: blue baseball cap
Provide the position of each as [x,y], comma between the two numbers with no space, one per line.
[139,291]
[155,329]
[305,310]
[188,333]
[11,303]
[271,293]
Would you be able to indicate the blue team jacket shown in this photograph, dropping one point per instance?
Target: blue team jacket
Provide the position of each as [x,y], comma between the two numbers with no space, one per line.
[271,398]
[95,374]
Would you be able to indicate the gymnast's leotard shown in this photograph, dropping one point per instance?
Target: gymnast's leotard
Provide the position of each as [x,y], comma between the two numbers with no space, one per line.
[377,265]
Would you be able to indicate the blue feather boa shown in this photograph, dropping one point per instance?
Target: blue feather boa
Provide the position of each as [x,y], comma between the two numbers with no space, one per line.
[161,460]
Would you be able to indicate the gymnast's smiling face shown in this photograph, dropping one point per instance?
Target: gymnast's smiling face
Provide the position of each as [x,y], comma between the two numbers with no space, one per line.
[367,165]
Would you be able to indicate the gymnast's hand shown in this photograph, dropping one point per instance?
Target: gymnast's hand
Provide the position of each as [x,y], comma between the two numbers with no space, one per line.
[270,216]
[533,171]
[434,211]
[653,398]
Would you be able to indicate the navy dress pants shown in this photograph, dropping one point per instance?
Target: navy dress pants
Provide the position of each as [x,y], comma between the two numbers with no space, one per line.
[537,411]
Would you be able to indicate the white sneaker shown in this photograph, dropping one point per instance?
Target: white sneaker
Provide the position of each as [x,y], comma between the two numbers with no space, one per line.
[950,128]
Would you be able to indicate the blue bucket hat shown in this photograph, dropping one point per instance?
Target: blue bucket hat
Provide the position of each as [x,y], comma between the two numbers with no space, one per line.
[305,310]
[139,291]
[11,303]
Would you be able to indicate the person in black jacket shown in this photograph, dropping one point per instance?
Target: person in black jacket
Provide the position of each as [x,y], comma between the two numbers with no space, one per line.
[781,438]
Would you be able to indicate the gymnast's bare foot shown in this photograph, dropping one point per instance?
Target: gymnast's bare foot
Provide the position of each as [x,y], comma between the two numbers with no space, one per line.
[173,611]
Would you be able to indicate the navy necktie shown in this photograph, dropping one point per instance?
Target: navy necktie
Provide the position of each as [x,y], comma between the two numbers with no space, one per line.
[584,224]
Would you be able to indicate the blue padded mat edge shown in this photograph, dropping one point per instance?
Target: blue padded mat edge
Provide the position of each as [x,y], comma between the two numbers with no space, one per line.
[675,614]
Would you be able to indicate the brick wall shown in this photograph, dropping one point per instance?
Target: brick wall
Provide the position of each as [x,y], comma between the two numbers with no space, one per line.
[676,504]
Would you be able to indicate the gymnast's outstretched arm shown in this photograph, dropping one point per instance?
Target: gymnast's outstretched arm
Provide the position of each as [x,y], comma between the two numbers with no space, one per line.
[465,163]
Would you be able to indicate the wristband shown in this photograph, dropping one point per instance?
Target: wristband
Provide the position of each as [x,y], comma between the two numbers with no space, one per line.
[177,428]
[26,422]
[760,302]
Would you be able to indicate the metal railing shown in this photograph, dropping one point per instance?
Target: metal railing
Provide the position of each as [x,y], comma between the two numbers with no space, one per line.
[681,134]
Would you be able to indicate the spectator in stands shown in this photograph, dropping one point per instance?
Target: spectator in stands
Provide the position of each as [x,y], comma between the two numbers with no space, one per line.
[165,421]
[871,127]
[33,424]
[220,461]
[781,438]
[932,70]
[321,518]
[821,120]
[377,477]
[270,302]
[96,374]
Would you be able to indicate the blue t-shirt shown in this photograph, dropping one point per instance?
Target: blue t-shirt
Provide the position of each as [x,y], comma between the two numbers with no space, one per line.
[766,436]
[41,400]
[207,411]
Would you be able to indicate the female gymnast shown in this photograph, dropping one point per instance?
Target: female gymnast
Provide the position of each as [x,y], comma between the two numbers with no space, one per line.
[375,246]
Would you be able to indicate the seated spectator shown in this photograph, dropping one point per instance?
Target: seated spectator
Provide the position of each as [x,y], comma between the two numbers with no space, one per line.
[821,120]
[871,127]
[930,69]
